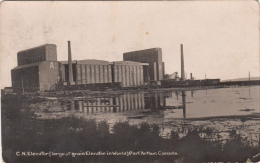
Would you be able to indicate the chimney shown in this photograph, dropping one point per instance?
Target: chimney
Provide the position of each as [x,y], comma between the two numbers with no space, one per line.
[182,64]
[70,65]
[190,76]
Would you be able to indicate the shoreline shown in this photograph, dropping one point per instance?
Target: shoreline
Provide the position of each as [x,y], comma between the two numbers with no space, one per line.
[113,91]
[251,116]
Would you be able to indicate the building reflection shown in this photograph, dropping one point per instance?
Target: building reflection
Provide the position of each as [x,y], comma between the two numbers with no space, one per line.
[177,95]
[184,103]
[156,101]
[128,102]
[113,104]
[249,91]
[177,101]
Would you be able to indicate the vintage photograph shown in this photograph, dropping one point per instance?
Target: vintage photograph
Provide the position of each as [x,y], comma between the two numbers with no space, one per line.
[130,81]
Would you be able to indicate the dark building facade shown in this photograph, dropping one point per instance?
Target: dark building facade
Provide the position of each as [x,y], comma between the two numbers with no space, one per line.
[40,76]
[41,53]
[37,70]
[6,91]
[155,70]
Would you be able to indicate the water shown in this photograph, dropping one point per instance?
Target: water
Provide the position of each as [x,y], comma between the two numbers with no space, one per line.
[171,110]
[163,104]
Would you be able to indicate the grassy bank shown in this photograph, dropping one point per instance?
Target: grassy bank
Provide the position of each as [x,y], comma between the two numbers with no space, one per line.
[22,133]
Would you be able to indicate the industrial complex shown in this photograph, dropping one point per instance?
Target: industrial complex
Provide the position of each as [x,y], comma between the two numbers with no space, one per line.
[39,70]
[155,69]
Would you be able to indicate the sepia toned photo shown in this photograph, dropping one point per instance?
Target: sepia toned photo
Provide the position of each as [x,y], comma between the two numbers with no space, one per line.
[130,81]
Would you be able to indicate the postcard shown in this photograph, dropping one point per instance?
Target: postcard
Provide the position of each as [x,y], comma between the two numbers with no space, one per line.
[130,81]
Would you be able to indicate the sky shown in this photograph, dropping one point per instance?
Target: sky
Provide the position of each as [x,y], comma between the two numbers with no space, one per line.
[220,38]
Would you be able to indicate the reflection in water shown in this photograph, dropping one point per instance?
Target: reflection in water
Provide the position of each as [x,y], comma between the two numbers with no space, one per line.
[177,95]
[184,104]
[155,101]
[116,103]
[249,91]
[128,102]
[166,104]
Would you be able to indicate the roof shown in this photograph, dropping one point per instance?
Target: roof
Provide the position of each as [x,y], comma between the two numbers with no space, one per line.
[27,65]
[66,62]
[31,65]
[92,61]
[144,50]
[128,63]
[87,61]
[35,47]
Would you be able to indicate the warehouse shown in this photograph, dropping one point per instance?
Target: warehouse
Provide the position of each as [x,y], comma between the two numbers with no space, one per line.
[129,73]
[41,53]
[87,71]
[37,70]
[155,70]
[36,76]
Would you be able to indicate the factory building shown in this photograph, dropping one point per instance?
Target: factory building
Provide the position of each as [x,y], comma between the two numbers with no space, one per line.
[87,71]
[41,53]
[129,73]
[37,70]
[155,70]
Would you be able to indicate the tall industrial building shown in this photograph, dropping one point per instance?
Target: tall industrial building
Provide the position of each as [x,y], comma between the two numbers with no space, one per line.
[155,70]
[37,70]
[41,53]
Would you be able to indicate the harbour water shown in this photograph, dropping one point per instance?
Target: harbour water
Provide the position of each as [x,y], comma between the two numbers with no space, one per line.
[223,109]
[164,104]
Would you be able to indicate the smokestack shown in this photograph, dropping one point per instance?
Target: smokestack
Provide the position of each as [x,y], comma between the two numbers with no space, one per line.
[190,76]
[182,64]
[70,65]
